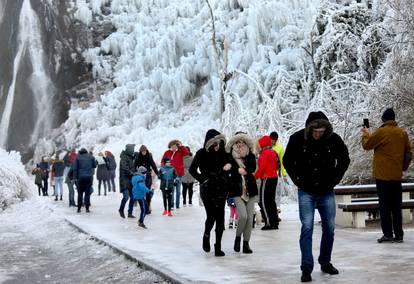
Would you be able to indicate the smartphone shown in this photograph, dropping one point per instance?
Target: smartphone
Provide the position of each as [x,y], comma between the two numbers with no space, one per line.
[366,123]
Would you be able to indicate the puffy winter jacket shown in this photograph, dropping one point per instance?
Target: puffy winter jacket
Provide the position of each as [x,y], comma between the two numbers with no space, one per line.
[139,190]
[267,164]
[316,166]
[126,170]
[177,159]
[84,165]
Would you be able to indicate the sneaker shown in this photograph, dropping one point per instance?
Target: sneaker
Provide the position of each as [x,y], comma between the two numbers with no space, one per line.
[121,213]
[385,239]
[329,268]
[169,214]
[184,205]
[142,225]
[306,276]
[398,240]
[165,212]
[130,215]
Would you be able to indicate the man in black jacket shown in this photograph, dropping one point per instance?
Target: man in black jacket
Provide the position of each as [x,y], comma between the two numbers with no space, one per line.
[316,159]
[126,171]
[83,169]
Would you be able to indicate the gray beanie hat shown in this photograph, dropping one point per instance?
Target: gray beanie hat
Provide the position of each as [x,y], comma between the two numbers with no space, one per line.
[142,170]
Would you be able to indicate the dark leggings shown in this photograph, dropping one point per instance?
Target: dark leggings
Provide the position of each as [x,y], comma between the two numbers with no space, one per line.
[214,207]
[40,189]
[189,187]
[105,182]
[167,199]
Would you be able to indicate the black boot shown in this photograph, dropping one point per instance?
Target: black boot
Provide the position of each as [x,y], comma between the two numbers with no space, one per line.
[56,198]
[206,243]
[218,251]
[237,244]
[246,248]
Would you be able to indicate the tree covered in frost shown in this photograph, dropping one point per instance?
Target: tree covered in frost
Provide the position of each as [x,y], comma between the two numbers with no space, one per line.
[15,185]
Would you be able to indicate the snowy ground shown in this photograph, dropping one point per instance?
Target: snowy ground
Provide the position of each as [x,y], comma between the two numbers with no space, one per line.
[173,245]
[38,246]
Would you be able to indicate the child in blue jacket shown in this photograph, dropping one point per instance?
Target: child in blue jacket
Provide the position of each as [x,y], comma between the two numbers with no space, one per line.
[167,176]
[139,191]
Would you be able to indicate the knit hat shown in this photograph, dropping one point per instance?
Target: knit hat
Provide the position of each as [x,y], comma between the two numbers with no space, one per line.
[142,170]
[388,114]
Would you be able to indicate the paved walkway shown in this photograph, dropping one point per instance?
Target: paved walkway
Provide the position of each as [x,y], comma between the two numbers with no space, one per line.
[172,245]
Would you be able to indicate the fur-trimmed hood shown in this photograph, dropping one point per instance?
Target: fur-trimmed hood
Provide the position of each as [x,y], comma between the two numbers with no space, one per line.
[174,142]
[240,137]
[317,120]
[213,136]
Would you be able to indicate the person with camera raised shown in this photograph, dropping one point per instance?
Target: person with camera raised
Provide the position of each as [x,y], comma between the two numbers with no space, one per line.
[392,155]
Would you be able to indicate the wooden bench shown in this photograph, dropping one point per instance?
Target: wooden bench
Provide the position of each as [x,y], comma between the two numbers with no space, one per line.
[358,210]
[353,197]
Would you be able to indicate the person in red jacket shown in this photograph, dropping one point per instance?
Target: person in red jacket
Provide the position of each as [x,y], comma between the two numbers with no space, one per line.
[267,173]
[176,152]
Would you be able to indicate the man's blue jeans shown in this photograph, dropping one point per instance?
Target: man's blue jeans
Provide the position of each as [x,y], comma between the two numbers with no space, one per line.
[127,194]
[327,210]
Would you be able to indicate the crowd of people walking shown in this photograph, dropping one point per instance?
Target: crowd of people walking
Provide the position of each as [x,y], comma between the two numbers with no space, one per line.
[242,172]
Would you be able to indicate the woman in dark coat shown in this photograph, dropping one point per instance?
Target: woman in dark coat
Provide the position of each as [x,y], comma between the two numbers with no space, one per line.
[211,168]
[144,159]
[102,173]
[244,187]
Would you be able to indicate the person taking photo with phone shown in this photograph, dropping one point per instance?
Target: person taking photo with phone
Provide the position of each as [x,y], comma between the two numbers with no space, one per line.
[392,156]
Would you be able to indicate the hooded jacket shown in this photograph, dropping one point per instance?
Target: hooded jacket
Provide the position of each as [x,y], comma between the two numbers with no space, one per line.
[316,166]
[250,166]
[139,189]
[207,165]
[390,144]
[126,168]
[267,164]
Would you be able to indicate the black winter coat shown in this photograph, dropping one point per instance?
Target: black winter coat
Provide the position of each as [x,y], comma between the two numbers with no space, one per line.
[316,166]
[111,162]
[146,161]
[207,167]
[126,171]
[236,179]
